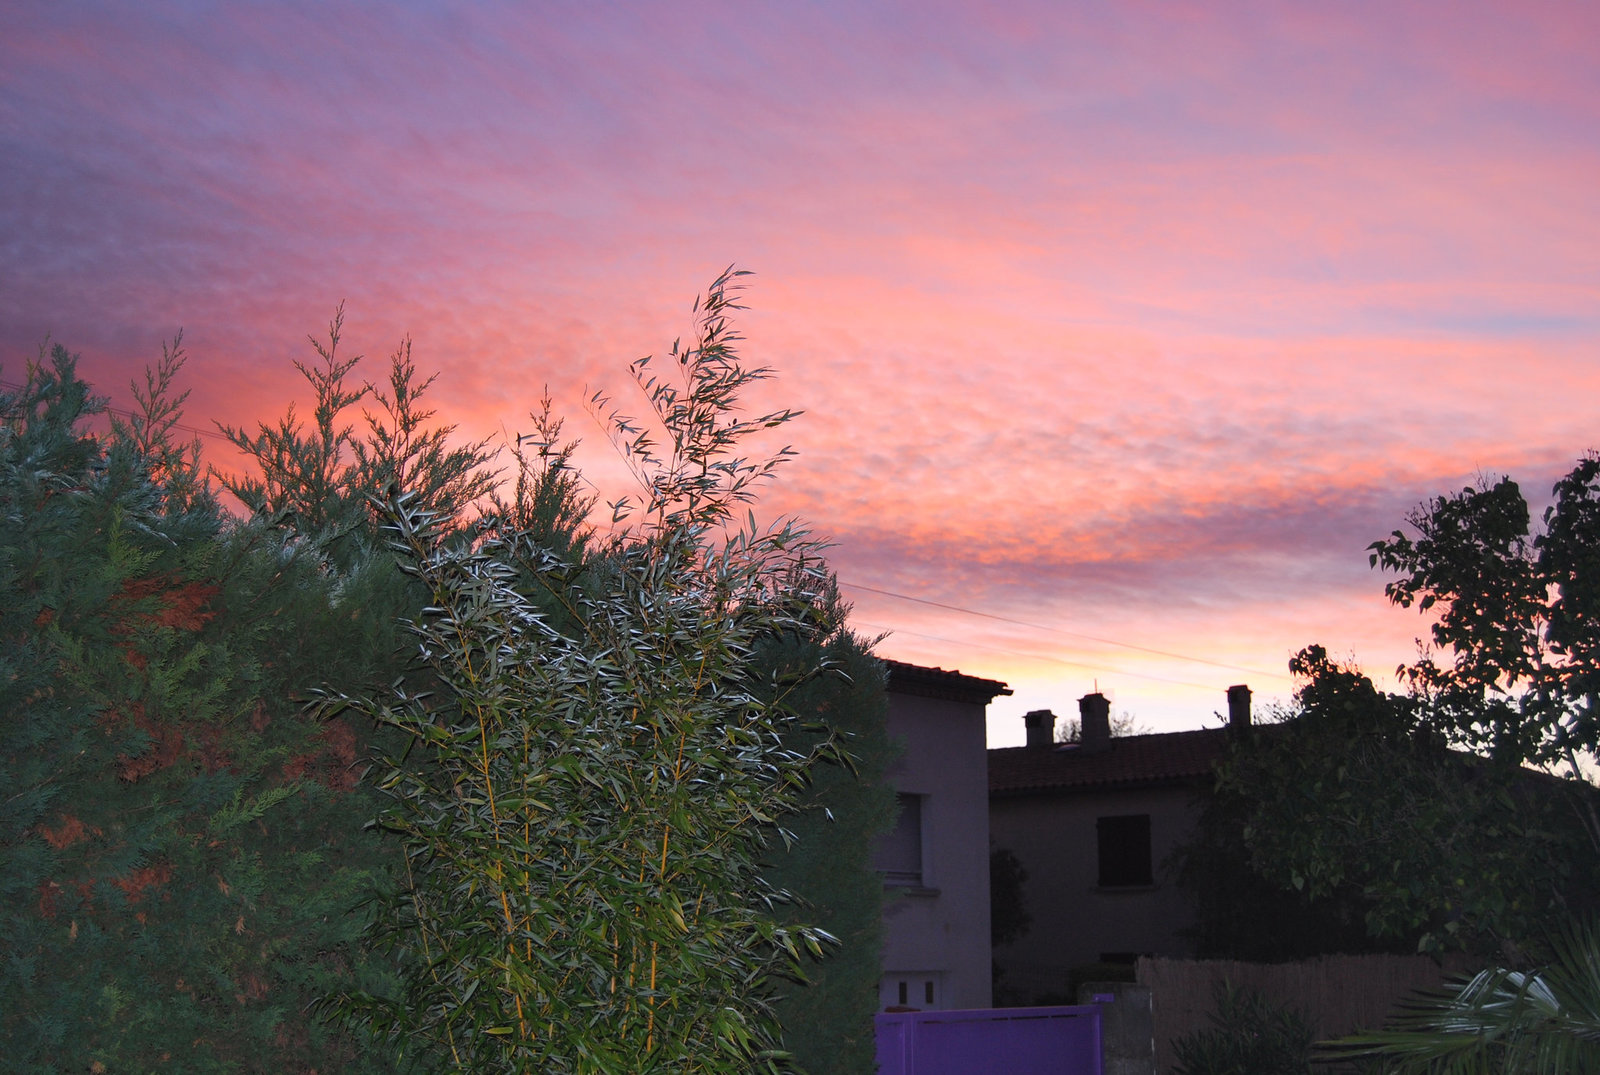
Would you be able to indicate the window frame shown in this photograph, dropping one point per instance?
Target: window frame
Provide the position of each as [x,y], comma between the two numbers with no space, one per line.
[902,857]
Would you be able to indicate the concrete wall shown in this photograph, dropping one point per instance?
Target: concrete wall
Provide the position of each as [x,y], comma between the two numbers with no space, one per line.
[938,933]
[1074,919]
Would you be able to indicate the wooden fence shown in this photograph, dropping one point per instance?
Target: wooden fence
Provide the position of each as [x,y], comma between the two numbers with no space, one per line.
[1337,994]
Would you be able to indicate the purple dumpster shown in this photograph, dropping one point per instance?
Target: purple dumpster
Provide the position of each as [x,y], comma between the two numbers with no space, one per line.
[991,1041]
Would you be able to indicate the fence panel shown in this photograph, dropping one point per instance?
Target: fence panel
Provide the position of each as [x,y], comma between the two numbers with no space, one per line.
[1339,994]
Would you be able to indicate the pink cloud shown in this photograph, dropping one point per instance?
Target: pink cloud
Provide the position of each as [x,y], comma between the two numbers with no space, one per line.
[1139,321]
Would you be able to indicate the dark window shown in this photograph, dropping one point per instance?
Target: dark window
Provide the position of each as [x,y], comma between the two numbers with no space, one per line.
[1124,850]
[900,851]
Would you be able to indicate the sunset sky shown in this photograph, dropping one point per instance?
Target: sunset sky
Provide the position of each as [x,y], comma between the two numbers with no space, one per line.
[1120,329]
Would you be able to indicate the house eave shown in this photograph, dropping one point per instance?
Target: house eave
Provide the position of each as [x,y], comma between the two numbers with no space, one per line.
[921,682]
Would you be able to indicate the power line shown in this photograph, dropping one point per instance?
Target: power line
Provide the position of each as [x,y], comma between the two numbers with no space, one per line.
[1208,687]
[1063,631]
[1041,627]
[1053,630]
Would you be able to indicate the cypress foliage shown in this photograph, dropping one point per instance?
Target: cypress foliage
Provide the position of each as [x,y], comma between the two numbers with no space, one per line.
[825,856]
[179,848]
[318,483]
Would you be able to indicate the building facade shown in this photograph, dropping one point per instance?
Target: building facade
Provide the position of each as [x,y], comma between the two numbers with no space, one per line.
[1093,825]
[935,863]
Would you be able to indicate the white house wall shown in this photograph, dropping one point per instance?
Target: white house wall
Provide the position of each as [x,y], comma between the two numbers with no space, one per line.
[937,935]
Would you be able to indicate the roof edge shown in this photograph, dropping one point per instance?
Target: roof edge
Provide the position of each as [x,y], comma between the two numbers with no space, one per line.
[1132,783]
[923,682]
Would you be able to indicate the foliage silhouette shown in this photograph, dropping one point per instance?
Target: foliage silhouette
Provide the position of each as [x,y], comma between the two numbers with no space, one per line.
[1350,827]
[1516,609]
[840,691]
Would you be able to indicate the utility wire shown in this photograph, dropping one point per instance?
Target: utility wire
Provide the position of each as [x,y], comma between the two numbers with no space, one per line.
[1041,627]
[1064,631]
[1106,669]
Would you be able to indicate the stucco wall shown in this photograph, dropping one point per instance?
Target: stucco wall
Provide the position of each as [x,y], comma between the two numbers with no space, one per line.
[1075,920]
[940,932]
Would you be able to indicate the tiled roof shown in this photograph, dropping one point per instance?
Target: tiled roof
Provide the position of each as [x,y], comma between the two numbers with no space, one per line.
[1170,757]
[938,683]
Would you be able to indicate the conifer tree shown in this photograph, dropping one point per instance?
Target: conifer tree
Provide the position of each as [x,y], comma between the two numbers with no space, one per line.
[824,855]
[319,482]
[179,847]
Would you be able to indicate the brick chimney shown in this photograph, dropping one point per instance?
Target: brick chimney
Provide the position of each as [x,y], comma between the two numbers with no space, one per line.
[1238,710]
[1041,728]
[1094,713]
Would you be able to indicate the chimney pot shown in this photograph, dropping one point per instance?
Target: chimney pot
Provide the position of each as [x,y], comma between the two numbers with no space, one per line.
[1239,709]
[1041,728]
[1094,714]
